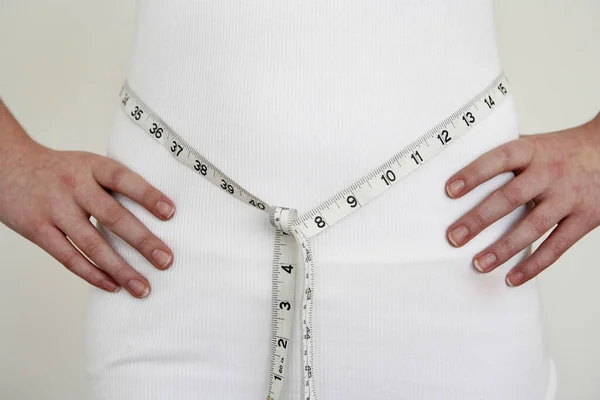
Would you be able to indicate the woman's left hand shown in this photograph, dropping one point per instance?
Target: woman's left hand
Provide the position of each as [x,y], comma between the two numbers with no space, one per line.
[559,172]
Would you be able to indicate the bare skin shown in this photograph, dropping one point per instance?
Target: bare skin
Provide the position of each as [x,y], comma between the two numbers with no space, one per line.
[558,172]
[47,195]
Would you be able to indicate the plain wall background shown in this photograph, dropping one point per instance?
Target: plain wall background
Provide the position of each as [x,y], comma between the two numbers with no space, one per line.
[62,64]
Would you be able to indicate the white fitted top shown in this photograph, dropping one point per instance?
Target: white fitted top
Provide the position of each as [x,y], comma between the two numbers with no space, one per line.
[340,85]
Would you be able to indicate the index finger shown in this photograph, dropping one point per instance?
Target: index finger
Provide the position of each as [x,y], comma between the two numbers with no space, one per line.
[115,176]
[513,155]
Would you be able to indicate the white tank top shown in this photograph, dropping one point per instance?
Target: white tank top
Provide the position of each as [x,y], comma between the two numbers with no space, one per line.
[295,100]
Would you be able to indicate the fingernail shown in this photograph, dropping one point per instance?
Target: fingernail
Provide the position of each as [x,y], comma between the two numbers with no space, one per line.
[111,287]
[455,187]
[165,209]
[514,278]
[162,258]
[140,289]
[457,235]
[485,261]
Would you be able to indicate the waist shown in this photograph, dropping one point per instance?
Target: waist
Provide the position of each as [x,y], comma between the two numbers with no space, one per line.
[413,215]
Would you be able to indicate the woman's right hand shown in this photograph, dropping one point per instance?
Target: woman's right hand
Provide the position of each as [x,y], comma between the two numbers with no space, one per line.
[46,195]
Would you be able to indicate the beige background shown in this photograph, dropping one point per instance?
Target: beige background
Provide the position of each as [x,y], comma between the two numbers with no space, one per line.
[61,67]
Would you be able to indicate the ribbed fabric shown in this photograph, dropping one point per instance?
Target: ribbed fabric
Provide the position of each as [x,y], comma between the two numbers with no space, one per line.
[295,100]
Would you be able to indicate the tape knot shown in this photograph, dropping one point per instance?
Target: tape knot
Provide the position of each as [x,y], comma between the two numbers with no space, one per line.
[282,218]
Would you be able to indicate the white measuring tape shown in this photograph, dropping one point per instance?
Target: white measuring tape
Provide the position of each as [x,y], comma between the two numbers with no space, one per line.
[286,220]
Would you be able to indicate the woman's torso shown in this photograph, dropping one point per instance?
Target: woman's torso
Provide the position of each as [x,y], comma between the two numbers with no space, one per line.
[295,101]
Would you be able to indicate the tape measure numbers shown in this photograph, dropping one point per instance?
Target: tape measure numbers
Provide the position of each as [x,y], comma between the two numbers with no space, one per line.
[293,231]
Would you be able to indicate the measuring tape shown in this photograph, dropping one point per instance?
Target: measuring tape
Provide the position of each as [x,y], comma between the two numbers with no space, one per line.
[293,231]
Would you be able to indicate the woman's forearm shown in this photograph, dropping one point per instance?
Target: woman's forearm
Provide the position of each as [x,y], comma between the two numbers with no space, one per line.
[13,138]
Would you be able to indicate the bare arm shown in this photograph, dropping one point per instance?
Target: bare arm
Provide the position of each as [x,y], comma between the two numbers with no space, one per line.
[13,137]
